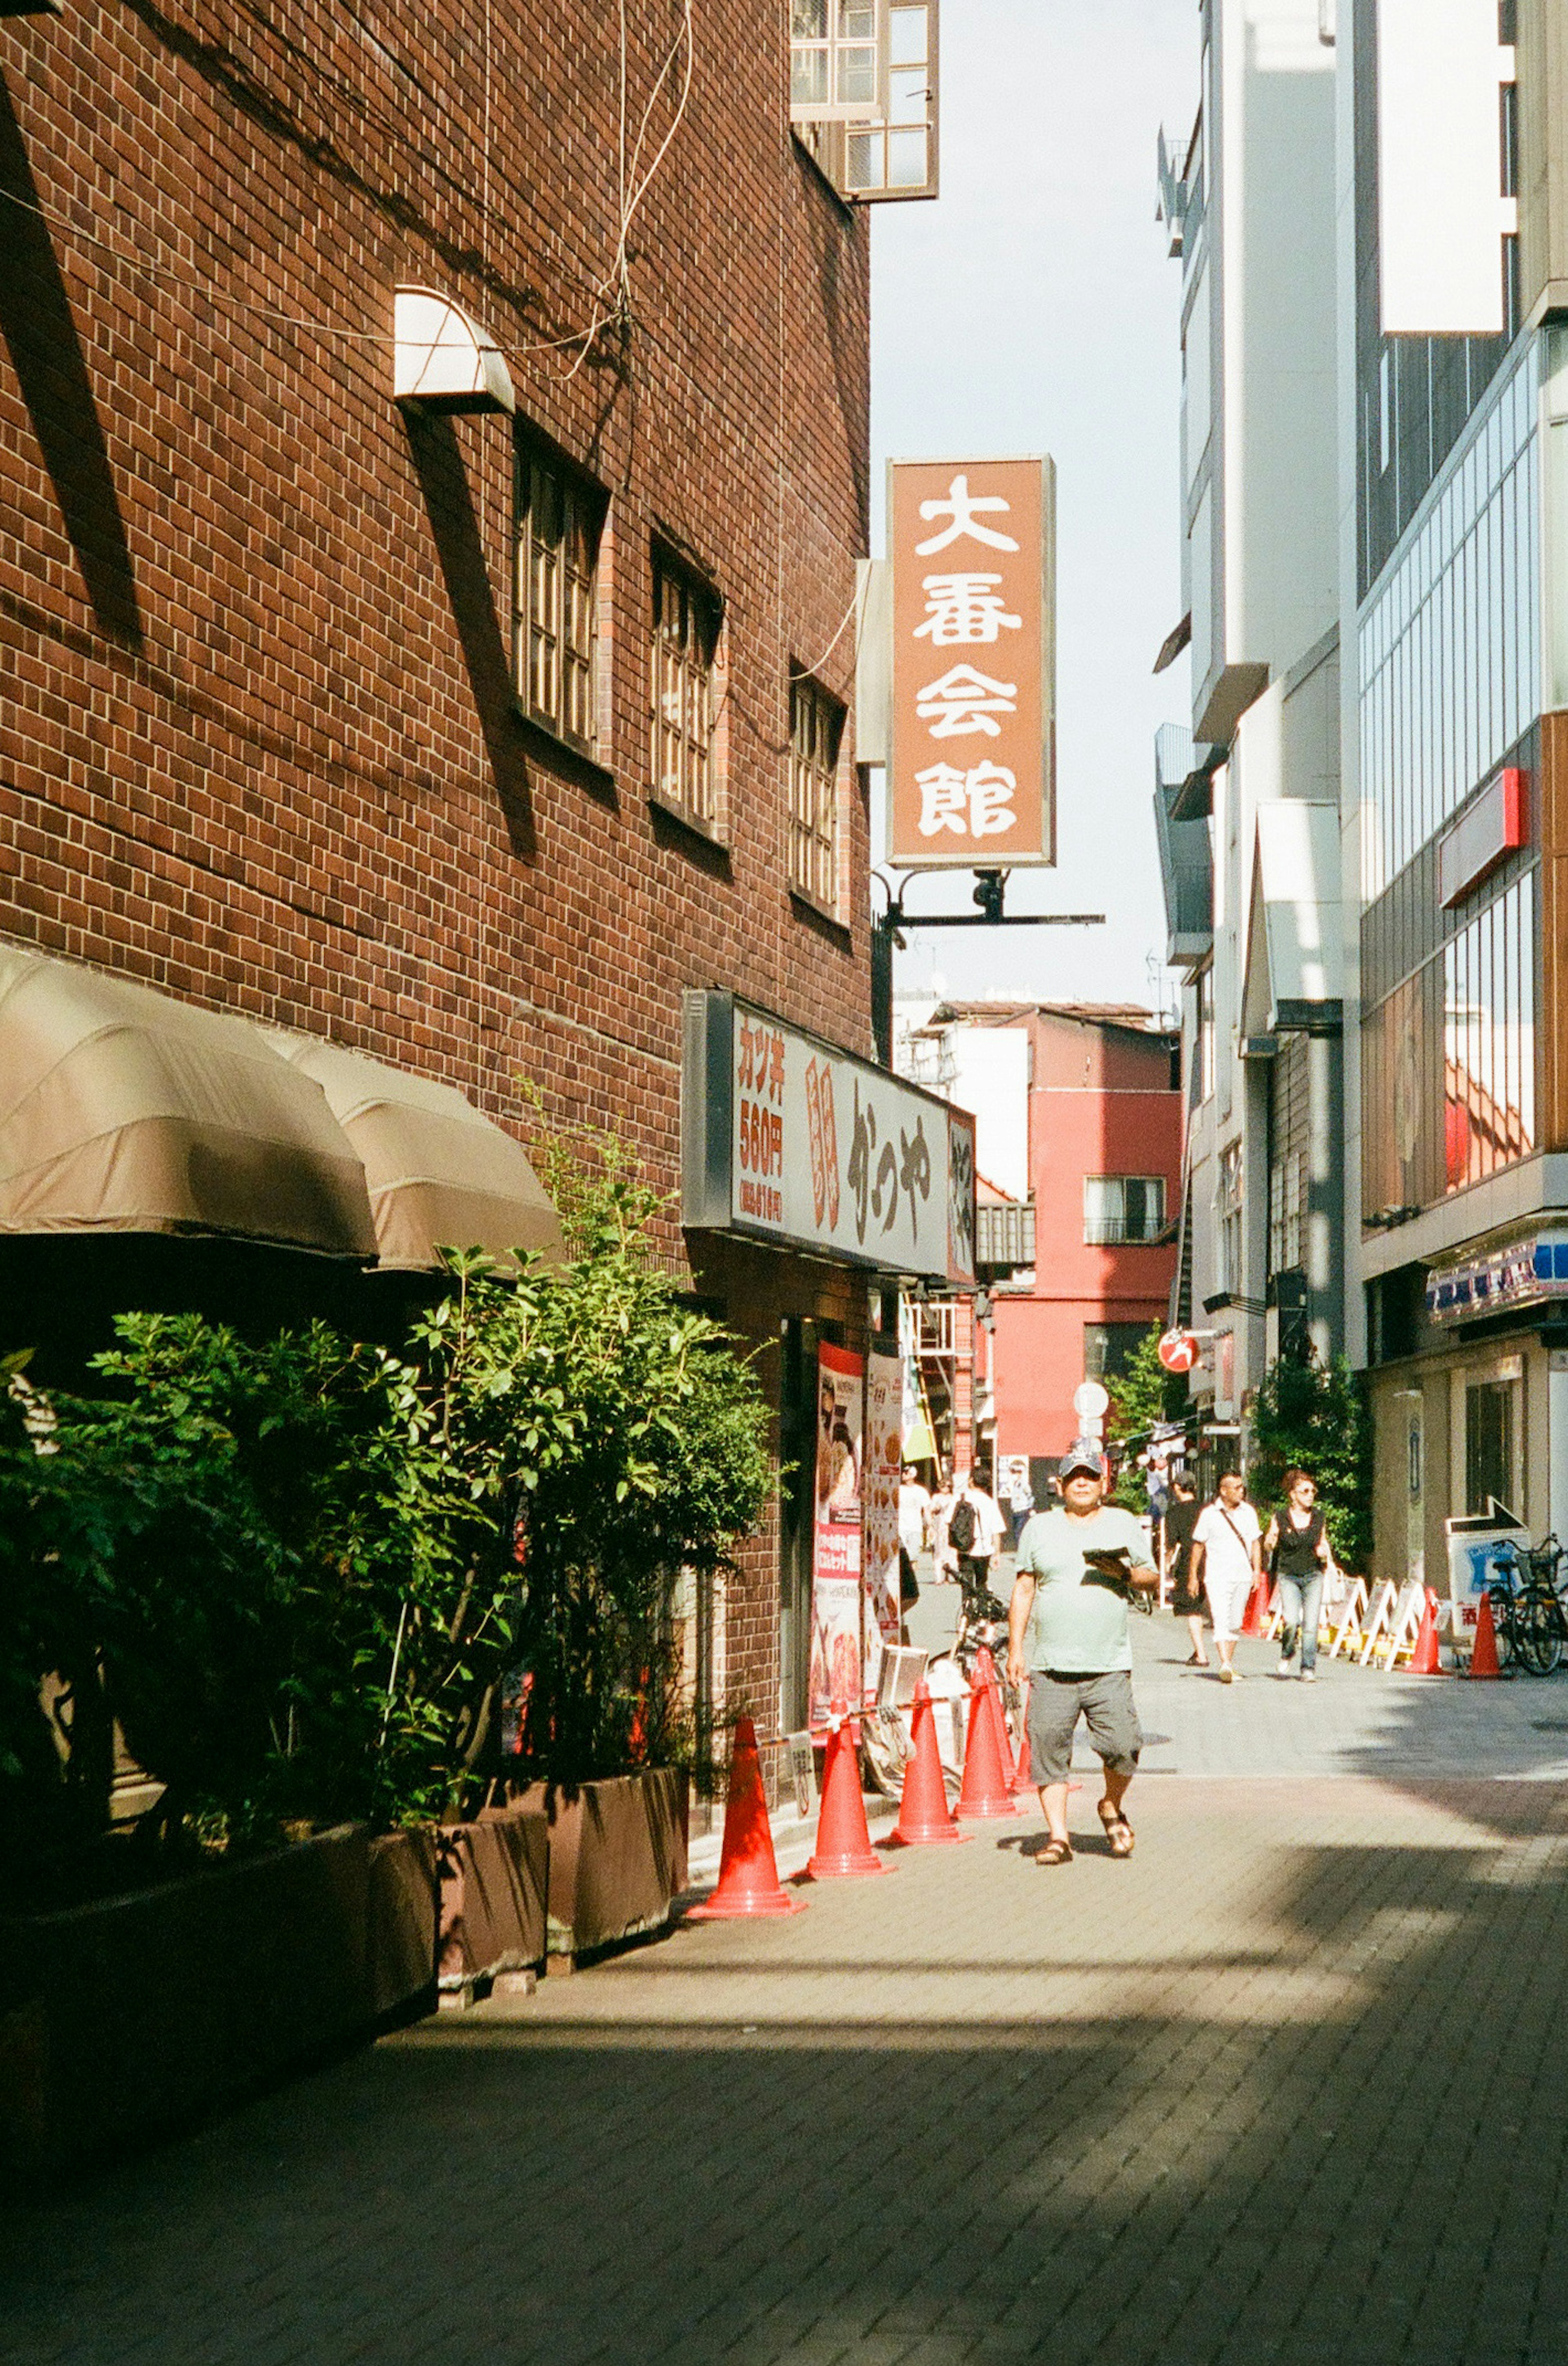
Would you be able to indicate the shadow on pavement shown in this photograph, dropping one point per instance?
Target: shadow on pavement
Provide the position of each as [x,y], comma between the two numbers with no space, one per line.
[1347,2142]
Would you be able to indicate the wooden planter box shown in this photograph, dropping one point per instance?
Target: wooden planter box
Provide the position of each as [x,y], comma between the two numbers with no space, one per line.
[618,1858]
[492,1875]
[144,2013]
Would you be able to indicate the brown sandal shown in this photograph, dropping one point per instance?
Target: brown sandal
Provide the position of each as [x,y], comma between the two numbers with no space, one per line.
[1119,1833]
[1055,1853]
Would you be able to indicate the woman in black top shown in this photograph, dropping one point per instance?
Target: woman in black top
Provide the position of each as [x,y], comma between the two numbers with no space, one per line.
[1297,1550]
[1186,1598]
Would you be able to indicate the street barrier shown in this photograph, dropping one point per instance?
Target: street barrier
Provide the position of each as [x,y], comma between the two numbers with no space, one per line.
[748,1870]
[924,1817]
[986,1791]
[1352,1612]
[843,1837]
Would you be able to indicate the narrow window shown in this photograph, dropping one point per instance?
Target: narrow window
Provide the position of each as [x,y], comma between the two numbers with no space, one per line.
[684,659]
[559,520]
[815,726]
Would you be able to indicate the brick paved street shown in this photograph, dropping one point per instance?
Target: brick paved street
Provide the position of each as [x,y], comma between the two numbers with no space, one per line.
[1288,2086]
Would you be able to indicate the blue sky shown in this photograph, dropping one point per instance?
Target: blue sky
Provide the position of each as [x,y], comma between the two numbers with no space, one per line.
[1043,265]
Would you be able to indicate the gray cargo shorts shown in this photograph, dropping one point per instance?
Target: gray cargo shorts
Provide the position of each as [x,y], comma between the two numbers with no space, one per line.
[1105,1704]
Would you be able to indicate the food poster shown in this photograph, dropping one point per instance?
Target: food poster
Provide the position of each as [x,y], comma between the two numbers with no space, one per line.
[836,1561]
[884,1437]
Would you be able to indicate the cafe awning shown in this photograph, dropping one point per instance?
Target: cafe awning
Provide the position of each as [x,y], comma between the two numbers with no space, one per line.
[438,1172]
[125,1111]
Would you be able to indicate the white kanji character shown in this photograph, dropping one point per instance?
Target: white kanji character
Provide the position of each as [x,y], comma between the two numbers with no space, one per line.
[963,701]
[944,799]
[991,788]
[961,506]
[963,608]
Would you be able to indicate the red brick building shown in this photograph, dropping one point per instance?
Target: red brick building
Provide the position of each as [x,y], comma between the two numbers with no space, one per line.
[468,739]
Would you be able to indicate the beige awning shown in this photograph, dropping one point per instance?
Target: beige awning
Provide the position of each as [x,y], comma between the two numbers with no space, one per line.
[438,1172]
[122,1109]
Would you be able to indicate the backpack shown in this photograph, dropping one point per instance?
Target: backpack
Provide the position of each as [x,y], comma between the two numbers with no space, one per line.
[963,1526]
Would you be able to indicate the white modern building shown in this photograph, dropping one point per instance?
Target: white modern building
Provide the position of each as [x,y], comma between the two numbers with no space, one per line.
[1378,560]
[1247,798]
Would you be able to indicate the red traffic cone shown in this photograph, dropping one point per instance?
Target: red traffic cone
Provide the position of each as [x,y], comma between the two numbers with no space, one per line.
[748,1872]
[984,1791]
[1426,1660]
[1023,1780]
[923,1814]
[1252,1623]
[1483,1661]
[843,1837]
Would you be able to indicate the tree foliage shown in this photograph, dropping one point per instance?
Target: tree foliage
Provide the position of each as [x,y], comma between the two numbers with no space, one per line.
[297,1575]
[1314,1415]
[1143,1394]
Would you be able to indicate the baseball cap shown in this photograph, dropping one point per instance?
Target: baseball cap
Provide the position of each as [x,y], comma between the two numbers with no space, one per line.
[1081,1457]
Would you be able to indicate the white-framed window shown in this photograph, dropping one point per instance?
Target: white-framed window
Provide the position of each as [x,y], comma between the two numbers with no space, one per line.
[683,663]
[816,728]
[863,94]
[1229,1210]
[558,518]
[1123,1208]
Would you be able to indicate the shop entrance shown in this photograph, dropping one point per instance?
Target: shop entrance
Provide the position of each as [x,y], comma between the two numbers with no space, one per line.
[797,1453]
[1490,1434]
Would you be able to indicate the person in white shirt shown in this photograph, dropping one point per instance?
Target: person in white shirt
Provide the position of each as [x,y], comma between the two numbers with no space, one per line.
[914,1511]
[978,1535]
[1227,1557]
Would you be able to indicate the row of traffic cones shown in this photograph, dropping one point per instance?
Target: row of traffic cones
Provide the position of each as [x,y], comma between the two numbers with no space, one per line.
[748,1873]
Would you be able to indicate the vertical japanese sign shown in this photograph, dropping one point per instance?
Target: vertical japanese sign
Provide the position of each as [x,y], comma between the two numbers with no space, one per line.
[883,1441]
[971,764]
[836,1564]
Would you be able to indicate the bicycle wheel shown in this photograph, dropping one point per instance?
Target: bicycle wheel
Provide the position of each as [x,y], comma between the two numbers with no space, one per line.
[1503,1612]
[1539,1635]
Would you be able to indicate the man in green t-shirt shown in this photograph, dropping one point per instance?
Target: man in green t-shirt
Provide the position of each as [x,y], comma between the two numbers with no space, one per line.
[1068,1638]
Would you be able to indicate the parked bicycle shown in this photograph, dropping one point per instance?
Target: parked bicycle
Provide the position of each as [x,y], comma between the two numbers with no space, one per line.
[1527,1606]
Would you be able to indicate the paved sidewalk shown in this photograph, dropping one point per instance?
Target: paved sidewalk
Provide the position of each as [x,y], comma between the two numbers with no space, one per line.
[1288,2086]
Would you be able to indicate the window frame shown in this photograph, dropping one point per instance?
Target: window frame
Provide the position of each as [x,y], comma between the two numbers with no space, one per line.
[840,136]
[1105,1231]
[555,594]
[807,695]
[700,626]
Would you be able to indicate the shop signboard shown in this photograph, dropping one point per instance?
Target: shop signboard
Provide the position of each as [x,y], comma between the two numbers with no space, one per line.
[1472,1547]
[883,1439]
[784,1138]
[972,769]
[836,1557]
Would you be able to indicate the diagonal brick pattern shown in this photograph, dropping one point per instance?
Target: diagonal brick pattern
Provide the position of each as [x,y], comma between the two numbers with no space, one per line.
[1286,2087]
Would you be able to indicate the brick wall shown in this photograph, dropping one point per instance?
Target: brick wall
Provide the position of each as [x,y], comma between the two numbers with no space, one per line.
[257,748]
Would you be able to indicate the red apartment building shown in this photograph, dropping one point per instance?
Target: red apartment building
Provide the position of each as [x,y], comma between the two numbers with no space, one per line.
[1078,1116]
[428,521]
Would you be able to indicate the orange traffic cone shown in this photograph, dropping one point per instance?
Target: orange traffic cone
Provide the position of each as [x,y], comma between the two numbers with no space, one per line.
[843,1837]
[923,1814]
[1023,1780]
[748,1871]
[984,1791]
[1252,1622]
[1484,1659]
[1426,1660]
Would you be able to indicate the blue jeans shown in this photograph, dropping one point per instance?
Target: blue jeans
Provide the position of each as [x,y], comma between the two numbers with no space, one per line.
[1302,1600]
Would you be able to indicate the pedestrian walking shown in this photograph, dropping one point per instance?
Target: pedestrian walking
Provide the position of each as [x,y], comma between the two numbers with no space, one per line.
[914,1534]
[974,1529]
[1299,1556]
[1067,1638]
[1186,1593]
[1227,1556]
[1020,1498]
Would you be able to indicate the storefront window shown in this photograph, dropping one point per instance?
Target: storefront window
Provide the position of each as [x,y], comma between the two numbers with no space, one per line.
[1447,1062]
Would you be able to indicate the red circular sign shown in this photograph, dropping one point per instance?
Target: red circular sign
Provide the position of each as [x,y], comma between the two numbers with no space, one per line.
[1178,1351]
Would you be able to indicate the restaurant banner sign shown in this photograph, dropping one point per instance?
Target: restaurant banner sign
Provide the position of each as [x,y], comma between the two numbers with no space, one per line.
[972,758]
[784,1138]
